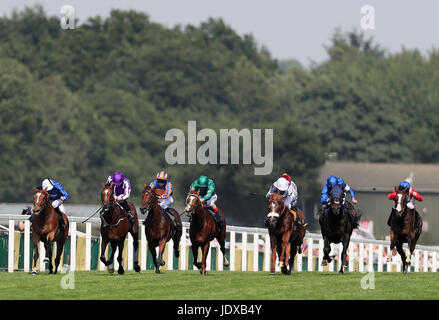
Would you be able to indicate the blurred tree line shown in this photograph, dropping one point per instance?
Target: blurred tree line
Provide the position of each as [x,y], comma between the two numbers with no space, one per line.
[77,105]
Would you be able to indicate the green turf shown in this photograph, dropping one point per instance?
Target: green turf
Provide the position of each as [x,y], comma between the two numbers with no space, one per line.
[178,285]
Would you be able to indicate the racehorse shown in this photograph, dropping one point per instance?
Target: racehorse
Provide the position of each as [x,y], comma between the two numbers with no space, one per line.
[402,228]
[45,228]
[114,229]
[285,238]
[336,226]
[159,227]
[203,229]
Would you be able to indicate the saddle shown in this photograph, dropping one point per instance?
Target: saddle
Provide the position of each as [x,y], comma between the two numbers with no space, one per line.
[174,222]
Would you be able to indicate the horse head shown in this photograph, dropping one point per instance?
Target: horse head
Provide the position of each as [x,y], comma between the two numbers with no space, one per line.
[336,196]
[149,199]
[107,197]
[276,206]
[193,203]
[401,199]
[41,197]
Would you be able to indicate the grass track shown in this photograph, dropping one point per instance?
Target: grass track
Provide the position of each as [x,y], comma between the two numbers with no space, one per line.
[182,285]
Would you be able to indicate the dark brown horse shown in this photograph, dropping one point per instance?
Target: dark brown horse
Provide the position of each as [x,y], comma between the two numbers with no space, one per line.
[285,238]
[402,228]
[45,228]
[114,229]
[203,229]
[159,227]
[336,226]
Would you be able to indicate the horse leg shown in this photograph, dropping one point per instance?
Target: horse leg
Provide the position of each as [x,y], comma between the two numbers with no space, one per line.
[36,241]
[110,262]
[403,256]
[283,257]
[410,249]
[344,262]
[221,240]
[103,248]
[195,254]
[120,245]
[204,258]
[392,245]
[176,240]
[48,257]
[162,245]
[59,250]
[154,256]
[326,251]
[135,236]
[292,257]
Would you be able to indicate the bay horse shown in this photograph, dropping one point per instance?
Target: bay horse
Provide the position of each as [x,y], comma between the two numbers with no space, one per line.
[402,228]
[159,227]
[336,226]
[45,228]
[203,229]
[114,229]
[285,238]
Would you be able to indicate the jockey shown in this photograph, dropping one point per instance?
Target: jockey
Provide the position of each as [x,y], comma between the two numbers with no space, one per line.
[411,203]
[324,200]
[208,194]
[121,192]
[288,189]
[57,196]
[163,188]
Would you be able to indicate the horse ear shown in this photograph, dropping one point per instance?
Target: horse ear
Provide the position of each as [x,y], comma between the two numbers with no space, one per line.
[103,185]
[144,186]
[394,188]
[35,189]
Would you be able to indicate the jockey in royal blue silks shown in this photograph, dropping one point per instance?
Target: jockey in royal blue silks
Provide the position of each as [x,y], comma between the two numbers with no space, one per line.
[325,197]
[57,196]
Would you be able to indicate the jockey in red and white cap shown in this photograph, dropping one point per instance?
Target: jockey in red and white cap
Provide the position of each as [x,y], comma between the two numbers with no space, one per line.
[288,189]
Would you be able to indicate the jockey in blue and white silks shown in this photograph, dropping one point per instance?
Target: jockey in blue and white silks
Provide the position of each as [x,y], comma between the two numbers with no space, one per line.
[325,198]
[57,196]
[121,191]
[336,181]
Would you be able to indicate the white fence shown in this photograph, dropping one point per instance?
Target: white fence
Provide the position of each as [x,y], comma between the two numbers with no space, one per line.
[245,255]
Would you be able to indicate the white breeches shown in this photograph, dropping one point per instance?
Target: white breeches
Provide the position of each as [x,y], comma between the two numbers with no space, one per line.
[211,201]
[59,204]
[166,203]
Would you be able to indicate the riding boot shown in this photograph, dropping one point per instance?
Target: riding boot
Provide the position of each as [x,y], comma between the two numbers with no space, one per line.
[352,217]
[60,220]
[127,209]
[300,223]
[219,220]
[174,221]
[417,219]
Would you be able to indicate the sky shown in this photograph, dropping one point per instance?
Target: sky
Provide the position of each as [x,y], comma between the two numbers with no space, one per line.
[288,28]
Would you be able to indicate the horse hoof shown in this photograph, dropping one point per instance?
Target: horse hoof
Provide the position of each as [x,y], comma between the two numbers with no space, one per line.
[120,271]
[226,264]
[324,263]
[271,274]
[389,259]
[177,254]
[34,273]
[341,272]
[137,268]
[46,260]
[111,271]
[162,263]
[157,271]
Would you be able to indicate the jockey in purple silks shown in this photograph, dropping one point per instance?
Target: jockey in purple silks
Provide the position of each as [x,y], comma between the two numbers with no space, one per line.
[121,191]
